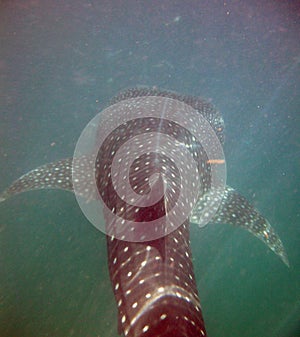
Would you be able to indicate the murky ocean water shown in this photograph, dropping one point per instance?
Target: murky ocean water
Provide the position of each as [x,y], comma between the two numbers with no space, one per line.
[61,62]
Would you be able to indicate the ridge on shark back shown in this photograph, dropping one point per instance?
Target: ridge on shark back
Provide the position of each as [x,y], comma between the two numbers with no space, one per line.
[153,281]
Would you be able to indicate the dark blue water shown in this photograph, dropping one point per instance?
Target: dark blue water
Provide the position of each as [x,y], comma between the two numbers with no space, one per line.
[61,62]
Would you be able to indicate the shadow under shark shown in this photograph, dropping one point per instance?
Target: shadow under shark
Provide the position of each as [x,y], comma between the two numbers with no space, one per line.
[153,281]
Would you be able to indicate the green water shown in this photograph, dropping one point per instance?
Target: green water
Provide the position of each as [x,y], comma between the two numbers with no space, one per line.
[61,62]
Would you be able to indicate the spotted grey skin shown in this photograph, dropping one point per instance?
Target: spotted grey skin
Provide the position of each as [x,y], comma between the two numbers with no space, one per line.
[155,287]
[206,109]
[234,209]
[153,282]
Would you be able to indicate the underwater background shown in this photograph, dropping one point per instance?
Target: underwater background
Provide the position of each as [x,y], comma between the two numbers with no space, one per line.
[61,62]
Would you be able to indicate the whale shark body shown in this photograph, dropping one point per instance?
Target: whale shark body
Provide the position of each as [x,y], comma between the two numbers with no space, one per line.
[153,281]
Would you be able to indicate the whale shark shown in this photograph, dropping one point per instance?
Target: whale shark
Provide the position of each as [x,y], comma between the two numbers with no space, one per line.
[153,280]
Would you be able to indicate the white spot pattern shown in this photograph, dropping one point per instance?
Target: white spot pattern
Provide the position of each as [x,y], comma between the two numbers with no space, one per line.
[158,275]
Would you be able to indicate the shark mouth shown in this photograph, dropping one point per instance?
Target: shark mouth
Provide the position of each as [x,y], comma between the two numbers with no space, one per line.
[149,255]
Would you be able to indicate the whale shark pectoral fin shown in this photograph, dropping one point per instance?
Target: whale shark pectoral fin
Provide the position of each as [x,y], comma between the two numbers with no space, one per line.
[234,209]
[56,175]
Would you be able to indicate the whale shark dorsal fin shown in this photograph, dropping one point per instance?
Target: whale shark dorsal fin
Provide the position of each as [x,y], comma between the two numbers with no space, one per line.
[234,209]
